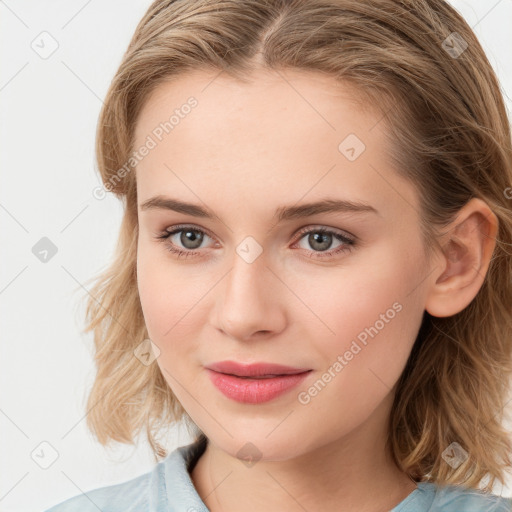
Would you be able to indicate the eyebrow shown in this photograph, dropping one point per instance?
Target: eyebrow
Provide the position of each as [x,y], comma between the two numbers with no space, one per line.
[282,213]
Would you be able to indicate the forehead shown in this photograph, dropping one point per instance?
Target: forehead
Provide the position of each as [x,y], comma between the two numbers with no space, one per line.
[280,133]
[291,92]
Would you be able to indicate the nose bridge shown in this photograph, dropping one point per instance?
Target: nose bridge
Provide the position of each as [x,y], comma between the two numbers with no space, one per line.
[248,268]
[246,303]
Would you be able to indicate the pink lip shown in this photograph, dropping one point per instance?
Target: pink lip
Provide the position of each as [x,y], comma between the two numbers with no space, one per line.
[254,390]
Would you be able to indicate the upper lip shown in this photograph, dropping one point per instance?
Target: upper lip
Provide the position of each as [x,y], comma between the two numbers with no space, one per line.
[254,369]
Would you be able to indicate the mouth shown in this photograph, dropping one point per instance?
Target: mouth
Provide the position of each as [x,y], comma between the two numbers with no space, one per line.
[255,389]
[261,377]
[260,370]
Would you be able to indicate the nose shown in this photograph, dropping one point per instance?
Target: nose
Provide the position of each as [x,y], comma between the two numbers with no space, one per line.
[250,300]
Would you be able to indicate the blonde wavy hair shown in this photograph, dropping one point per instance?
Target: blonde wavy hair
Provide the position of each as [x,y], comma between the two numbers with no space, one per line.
[449,135]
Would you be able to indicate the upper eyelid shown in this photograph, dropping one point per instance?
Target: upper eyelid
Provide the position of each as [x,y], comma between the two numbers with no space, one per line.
[179,228]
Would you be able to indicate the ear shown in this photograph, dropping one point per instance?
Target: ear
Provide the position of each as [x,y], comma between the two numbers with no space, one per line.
[467,252]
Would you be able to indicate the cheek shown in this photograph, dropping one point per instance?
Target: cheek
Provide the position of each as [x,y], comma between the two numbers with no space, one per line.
[369,317]
[171,300]
[380,341]
[153,299]
[165,308]
[161,299]
[375,320]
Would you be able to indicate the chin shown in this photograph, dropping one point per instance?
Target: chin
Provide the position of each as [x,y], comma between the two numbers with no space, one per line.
[260,446]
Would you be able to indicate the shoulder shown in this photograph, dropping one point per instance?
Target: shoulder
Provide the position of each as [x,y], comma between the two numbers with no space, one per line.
[167,485]
[141,494]
[456,498]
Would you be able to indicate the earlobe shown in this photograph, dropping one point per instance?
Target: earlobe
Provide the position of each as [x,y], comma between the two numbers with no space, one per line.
[471,240]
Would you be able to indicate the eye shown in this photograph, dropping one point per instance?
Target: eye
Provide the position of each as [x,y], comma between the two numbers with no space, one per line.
[190,238]
[320,239]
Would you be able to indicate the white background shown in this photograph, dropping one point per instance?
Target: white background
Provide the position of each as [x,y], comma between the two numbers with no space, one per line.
[49,109]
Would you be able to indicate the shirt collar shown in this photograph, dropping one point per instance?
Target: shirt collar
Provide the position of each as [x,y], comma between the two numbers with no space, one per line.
[181,494]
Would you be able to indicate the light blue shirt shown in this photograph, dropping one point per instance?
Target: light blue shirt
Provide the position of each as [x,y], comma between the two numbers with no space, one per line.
[169,488]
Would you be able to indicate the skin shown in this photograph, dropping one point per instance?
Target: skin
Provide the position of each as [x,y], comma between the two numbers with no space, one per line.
[243,151]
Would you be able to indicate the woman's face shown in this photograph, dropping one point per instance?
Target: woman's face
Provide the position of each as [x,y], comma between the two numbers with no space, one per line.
[258,285]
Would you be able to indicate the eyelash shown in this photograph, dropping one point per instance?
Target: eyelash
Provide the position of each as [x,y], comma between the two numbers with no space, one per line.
[349,243]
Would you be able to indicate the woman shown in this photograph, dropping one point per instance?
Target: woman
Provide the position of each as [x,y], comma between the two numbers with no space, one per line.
[313,269]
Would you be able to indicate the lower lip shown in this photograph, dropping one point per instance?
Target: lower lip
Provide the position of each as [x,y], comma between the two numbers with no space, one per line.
[254,391]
